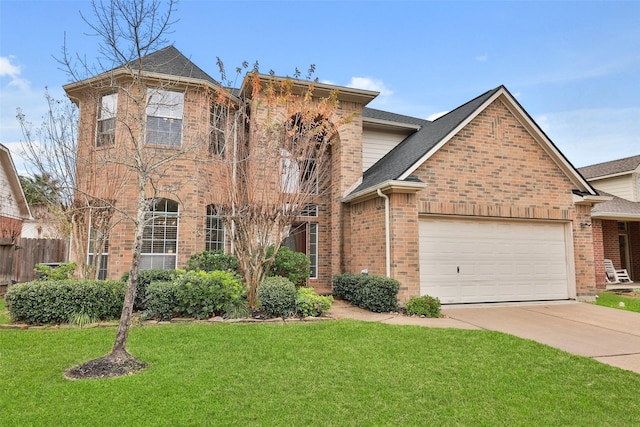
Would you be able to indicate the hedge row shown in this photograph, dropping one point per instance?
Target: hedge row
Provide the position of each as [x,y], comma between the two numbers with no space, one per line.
[375,293]
[47,302]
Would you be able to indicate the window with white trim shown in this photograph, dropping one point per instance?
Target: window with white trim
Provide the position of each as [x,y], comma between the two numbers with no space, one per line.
[217,118]
[160,236]
[91,251]
[106,131]
[164,117]
[297,176]
[214,230]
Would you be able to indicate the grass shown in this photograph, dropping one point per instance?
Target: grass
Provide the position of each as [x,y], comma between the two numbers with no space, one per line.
[611,299]
[333,373]
[4,313]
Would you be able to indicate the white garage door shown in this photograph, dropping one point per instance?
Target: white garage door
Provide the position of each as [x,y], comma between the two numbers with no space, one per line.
[464,260]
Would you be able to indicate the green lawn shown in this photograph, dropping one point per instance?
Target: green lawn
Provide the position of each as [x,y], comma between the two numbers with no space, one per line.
[611,299]
[4,313]
[300,374]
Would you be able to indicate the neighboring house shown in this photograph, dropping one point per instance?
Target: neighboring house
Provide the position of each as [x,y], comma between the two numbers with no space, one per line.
[43,225]
[14,209]
[616,223]
[476,206]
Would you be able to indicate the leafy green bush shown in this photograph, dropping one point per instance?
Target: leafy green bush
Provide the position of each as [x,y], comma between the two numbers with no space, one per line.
[345,286]
[309,303]
[277,296]
[62,272]
[145,278]
[290,264]
[161,300]
[375,293]
[212,261]
[42,302]
[423,306]
[201,294]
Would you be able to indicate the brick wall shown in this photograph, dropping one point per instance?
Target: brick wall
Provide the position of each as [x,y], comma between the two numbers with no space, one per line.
[494,168]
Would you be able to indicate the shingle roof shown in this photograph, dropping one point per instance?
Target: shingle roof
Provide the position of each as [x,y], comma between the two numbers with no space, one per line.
[172,62]
[616,206]
[372,113]
[416,145]
[627,164]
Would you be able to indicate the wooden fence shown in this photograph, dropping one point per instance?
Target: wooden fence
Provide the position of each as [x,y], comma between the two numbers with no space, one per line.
[18,260]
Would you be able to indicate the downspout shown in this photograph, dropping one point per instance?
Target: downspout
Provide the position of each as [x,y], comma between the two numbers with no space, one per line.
[387,232]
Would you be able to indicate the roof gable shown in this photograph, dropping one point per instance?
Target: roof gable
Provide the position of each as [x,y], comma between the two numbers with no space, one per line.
[417,148]
[172,62]
[9,169]
[614,167]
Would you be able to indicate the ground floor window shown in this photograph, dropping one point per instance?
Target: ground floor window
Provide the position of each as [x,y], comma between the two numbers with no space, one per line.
[303,238]
[214,230]
[94,242]
[160,236]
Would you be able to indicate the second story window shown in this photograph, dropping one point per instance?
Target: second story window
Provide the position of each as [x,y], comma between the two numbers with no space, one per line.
[217,120]
[106,134]
[164,117]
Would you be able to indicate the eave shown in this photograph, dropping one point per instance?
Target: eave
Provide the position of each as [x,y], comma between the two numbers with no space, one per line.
[321,90]
[387,187]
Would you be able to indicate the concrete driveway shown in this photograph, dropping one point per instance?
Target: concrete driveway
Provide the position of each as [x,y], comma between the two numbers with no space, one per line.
[608,335]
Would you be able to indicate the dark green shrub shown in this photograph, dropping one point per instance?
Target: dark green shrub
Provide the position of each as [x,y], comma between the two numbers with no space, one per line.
[295,266]
[145,278]
[345,286]
[423,306]
[375,293]
[277,296]
[62,272]
[309,303]
[161,300]
[201,294]
[212,261]
[42,302]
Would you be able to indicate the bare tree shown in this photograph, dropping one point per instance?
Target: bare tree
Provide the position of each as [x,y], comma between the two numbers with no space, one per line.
[277,166]
[128,32]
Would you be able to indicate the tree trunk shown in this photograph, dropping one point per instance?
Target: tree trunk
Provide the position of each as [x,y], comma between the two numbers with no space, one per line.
[119,346]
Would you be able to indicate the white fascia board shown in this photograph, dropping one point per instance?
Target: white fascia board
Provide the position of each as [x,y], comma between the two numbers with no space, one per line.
[616,216]
[390,124]
[388,186]
[590,200]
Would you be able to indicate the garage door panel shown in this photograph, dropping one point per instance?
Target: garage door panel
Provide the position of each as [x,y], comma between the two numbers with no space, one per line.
[492,260]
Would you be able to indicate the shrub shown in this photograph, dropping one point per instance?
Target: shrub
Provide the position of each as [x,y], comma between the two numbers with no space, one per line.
[212,261]
[423,306]
[309,303]
[42,302]
[161,300]
[290,264]
[345,286]
[375,293]
[277,296]
[201,294]
[145,278]
[62,272]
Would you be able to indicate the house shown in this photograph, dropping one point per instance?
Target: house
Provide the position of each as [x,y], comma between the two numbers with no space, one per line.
[14,210]
[476,206]
[616,223]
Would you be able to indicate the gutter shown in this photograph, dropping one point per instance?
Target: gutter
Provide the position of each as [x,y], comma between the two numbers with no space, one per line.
[387,232]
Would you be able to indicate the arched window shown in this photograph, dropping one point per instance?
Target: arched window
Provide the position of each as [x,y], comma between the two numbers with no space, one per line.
[214,230]
[160,236]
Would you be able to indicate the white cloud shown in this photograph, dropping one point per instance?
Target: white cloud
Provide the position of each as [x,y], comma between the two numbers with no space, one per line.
[7,68]
[481,58]
[435,116]
[13,71]
[368,83]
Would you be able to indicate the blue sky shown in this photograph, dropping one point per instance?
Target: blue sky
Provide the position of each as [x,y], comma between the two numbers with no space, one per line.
[573,65]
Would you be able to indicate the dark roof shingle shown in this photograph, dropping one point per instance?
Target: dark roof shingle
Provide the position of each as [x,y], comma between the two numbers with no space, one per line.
[416,145]
[171,61]
[627,164]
